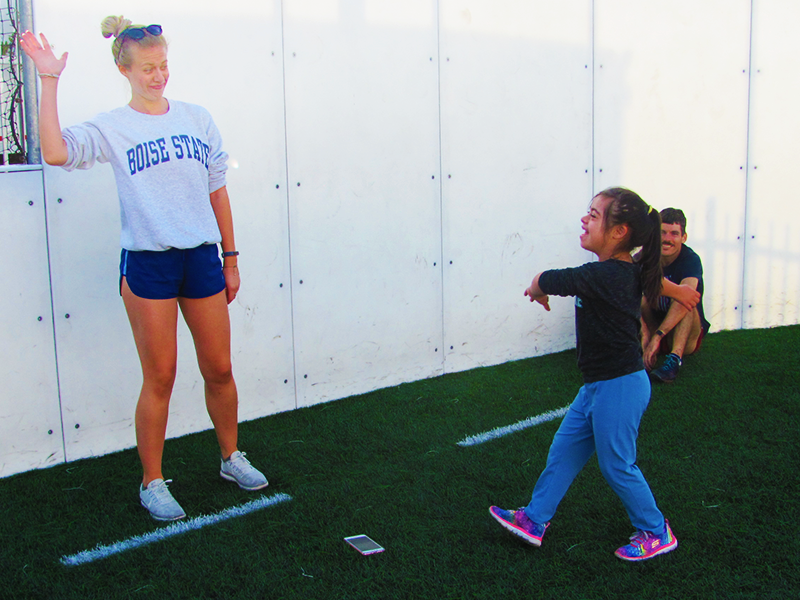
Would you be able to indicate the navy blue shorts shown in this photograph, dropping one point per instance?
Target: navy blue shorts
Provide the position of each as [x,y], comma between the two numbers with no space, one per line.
[173,273]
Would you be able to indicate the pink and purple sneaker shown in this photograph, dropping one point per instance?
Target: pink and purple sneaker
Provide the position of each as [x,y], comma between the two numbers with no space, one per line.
[644,545]
[518,523]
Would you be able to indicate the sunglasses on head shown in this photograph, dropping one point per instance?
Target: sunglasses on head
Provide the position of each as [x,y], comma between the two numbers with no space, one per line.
[137,33]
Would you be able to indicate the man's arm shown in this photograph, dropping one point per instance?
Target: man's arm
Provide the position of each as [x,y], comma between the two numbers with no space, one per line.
[674,316]
[677,311]
[686,295]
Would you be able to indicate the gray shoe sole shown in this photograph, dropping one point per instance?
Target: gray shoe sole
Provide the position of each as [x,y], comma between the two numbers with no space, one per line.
[159,518]
[236,481]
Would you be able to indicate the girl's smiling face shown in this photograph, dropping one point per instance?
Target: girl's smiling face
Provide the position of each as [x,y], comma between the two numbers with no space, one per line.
[597,237]
[594,236]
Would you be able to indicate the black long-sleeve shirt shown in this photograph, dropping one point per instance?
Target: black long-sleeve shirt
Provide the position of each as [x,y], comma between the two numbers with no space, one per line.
[608,297]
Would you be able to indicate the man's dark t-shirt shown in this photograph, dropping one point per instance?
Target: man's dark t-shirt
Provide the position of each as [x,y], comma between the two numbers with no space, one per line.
[608,297]
[687,264]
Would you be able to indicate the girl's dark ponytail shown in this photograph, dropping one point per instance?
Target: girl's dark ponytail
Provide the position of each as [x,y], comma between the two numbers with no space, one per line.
[644,223]
[651,260]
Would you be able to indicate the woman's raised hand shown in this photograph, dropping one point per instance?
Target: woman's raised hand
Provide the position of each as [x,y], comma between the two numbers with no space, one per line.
[42,54]
[54,149]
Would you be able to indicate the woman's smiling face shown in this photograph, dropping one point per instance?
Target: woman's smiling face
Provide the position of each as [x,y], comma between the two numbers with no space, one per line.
[148,73]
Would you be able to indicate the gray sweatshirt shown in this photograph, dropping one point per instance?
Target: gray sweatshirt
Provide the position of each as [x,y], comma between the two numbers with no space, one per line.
[165,167]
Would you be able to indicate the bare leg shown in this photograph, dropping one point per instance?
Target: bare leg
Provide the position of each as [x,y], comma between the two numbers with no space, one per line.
[154,326]
[651,343]
[649,324]
[685,334]
[209,323]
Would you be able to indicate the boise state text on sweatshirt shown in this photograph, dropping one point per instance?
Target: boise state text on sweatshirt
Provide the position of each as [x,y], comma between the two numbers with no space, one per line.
[165,167]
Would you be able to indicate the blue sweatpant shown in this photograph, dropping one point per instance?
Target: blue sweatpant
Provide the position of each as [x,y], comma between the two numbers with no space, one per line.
[603,418]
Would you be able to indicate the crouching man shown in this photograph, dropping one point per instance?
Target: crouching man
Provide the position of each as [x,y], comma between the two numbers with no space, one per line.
[672,329]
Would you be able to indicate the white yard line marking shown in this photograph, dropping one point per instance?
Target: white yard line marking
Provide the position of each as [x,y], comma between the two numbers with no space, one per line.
[474,440]
[172,529]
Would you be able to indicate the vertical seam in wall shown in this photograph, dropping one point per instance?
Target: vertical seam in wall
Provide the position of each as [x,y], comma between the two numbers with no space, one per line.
[26,20]
[745,228]
[441,174]
[288,208]
[53,315]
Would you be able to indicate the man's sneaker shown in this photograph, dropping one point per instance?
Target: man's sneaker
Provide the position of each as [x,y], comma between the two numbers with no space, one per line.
[518,523]
[668,371]
[644,545]
[157,498]
[237,468]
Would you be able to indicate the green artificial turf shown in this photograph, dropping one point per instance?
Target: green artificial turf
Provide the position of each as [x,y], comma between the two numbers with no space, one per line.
[719,448]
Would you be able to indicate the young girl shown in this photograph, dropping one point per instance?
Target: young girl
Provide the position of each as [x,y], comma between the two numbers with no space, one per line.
[170,172]
[605,415]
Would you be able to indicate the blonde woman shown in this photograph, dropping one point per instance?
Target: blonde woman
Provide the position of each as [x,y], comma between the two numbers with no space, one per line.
[170,169]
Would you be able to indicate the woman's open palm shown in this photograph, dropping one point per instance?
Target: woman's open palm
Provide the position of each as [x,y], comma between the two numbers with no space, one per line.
[42,54]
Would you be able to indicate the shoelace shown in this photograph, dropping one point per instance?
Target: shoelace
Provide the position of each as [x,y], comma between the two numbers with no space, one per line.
[162,493]
[640,537]
[240,463]
[520,518]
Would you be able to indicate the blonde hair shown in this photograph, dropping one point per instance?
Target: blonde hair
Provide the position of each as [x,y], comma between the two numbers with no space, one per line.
[121,47]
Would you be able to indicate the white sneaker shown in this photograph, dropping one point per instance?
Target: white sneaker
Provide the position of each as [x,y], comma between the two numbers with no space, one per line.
[157,498]
[237,468]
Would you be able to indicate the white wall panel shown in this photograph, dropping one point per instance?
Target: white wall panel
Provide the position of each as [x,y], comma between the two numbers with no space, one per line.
[30,421]
[246,99]
[772,243]
[516,150]
[98,367]
[671,123]
[399,172]
[362,124]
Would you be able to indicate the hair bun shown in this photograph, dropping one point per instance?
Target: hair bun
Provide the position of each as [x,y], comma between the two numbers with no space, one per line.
[114,26]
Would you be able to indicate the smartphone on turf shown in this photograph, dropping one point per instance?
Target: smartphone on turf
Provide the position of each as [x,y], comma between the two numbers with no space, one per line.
[364,544]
